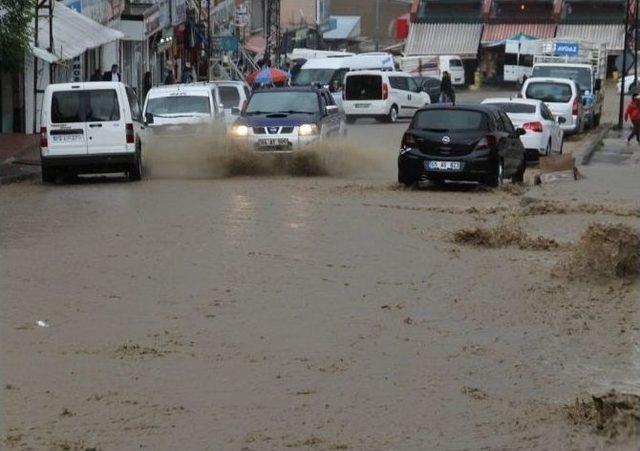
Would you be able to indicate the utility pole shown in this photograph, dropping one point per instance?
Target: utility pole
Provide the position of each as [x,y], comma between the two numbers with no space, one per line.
[272,31]
[377,25]
[208,39]
[41,5]
[630,37]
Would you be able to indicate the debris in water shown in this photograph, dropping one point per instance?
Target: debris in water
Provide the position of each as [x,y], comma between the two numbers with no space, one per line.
[604,251]
[615,415]
[508,232]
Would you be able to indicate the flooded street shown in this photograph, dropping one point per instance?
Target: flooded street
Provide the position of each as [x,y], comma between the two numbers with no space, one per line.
[333,312]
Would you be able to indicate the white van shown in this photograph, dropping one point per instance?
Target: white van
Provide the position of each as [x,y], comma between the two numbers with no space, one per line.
[328,71]
[193,103]
[309,54]
[383,95]
[562,96]
[434,66]
[90,127]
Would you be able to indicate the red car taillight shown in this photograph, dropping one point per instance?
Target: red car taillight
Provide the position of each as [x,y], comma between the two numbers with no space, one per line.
[576,106]
[385,91]
[533,126]
[43,137]
[486,142]
[130,136]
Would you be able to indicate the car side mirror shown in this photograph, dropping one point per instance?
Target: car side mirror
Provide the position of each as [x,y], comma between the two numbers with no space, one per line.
[561,119]
[520,131]
[235,111]
[148,118]
[331,109]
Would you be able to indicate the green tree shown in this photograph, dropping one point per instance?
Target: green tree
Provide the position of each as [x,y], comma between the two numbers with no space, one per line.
[15,32]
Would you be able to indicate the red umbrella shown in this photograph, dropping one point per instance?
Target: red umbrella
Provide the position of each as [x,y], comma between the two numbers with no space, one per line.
[268,75]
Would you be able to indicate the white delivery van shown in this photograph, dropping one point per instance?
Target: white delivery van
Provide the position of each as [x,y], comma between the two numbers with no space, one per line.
[309,54]
[518,59]
[383,95]
[90,127]
[434,66]
[234,96]
[327,71]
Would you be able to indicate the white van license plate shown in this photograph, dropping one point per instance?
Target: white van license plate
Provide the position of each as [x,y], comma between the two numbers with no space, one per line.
[443,165]
[273,142]
[66,138]
[362,105]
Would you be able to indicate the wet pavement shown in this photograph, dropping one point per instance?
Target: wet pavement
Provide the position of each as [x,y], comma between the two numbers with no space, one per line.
[335,312]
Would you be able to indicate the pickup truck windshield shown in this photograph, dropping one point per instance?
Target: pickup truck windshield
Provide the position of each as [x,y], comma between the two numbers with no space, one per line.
[581,75]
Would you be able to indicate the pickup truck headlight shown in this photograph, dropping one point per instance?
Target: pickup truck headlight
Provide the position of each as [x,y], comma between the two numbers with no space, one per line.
[240,130]
[308,129]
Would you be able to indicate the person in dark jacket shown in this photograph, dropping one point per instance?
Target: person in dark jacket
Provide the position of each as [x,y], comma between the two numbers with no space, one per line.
[169,80]
[113,74]
[447,94]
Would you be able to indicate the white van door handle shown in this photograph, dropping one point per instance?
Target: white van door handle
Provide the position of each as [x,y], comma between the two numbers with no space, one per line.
[95,125]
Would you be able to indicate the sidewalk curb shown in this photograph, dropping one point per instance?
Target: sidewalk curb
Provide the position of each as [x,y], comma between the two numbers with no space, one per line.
[19,177]
[593,145]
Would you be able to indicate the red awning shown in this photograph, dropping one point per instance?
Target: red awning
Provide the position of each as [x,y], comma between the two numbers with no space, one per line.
[255,44]
[499,32]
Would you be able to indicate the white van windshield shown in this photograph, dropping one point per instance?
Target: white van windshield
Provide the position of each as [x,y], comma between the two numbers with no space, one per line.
[96,105]
[308,77]
[182,105]
[363,87]
[580,75]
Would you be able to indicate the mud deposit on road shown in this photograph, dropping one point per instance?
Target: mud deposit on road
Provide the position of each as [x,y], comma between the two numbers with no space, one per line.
[328,312]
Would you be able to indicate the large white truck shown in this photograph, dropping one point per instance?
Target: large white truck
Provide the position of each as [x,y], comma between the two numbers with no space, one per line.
[581,61]
[434,66]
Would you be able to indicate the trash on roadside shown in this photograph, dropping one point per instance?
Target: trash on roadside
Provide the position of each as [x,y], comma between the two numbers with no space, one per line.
[557,168]
[42,323]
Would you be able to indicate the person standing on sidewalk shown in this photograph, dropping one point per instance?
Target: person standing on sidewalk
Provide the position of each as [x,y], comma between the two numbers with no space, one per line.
[447,94]
[632,113]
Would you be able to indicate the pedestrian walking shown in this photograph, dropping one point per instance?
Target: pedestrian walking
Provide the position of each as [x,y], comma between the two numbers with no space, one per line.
[146,84]
[113,75]
[447,94]
[632,113]
[169,80]
[97,76]
[186,77]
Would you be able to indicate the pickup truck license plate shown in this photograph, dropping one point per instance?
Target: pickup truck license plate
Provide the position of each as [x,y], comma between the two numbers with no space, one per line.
[444,165]
[272,142]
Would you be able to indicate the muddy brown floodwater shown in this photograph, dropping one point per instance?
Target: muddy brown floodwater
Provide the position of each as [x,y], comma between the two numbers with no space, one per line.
[262,312]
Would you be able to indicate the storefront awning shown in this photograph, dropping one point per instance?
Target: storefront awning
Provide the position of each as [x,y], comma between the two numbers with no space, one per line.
[460,39]
[347,27]
[610,34]
[73,33]
[44,55]
[500,32]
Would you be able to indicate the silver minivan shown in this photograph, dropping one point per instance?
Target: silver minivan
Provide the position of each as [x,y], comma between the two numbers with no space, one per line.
[562,96]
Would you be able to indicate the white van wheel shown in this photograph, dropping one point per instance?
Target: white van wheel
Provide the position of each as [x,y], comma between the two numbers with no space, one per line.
[393,114]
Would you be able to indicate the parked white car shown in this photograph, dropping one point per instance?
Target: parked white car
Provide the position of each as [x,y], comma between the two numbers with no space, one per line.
[90,127]
[383,95]
[544,134]
[234,96]
[562,96]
